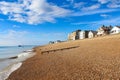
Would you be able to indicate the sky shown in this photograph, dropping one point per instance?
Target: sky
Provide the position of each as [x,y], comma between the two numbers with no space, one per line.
[36,22]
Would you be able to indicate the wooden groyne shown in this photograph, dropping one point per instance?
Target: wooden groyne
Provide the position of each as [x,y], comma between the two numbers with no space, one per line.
[48,51]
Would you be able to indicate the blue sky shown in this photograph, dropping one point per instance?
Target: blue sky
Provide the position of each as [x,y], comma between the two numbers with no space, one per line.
[40,21]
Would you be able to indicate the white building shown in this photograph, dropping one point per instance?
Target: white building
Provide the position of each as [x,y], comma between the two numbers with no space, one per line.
[71,36]
[83,34]
[104,30]
[74,35]
[92,34]
[115,30]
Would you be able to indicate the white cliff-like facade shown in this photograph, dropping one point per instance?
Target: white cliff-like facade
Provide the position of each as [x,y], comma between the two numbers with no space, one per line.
[115,30]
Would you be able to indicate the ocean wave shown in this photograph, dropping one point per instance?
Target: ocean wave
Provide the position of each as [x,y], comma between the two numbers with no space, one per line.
[14,63]
[6,72]
[25,55]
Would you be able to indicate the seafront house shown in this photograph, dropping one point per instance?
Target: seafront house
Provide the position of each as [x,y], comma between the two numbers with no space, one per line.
[92,34]
[83,34]
[51,42]
[104,30]
[58,41]
[74,35]
[71,36]
[115,30]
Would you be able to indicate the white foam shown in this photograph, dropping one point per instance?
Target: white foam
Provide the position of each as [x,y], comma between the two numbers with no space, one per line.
[14,64]
[6,72]
[25,55]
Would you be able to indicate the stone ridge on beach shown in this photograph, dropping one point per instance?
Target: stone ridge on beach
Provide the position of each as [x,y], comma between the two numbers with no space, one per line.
[13,57]
[94,59]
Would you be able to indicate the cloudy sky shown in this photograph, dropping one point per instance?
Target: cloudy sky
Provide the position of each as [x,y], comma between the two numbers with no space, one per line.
[41,21]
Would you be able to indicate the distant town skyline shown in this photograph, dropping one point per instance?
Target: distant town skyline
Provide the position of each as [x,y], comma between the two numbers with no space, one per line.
[36,22]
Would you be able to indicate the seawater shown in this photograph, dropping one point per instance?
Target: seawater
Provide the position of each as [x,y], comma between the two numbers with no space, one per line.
[7,66]
[10,51]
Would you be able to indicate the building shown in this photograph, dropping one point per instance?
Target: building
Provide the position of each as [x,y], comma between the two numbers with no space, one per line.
[104,30]
[115,30]
[71,36]
[92,34]
[58,41]
[83,34]
[74,35]
[51,42]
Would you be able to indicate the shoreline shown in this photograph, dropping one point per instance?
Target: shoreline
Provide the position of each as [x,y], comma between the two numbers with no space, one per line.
[15,63]
[8,70]
[98,60]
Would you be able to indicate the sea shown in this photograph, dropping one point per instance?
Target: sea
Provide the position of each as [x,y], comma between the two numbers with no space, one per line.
[11,58]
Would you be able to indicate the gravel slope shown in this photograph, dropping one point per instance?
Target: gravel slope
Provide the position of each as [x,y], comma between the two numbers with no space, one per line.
[94,59]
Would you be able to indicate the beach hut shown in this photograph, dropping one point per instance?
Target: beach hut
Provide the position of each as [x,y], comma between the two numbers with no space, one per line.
[83,34]
[74,35]
[115,30]
[92,34]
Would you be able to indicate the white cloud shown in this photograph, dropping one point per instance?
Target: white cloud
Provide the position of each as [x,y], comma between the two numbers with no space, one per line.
[104,15]
[111,3]
[53,34]
[40,11]
[71,1]
[16,26]
[111,21]
[32,11]
[79,5]
[103,1]
[94,12]
[96,24]
[15,37]
[12,37]
[93,7]
[114,4]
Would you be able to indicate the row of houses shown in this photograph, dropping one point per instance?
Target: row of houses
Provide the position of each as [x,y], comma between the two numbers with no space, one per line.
[103,30]
[53,42]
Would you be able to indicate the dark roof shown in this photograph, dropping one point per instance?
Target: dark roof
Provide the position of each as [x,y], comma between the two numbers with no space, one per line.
[106,28]
[86,30]
[93,31]
[77,31]
[118,26]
